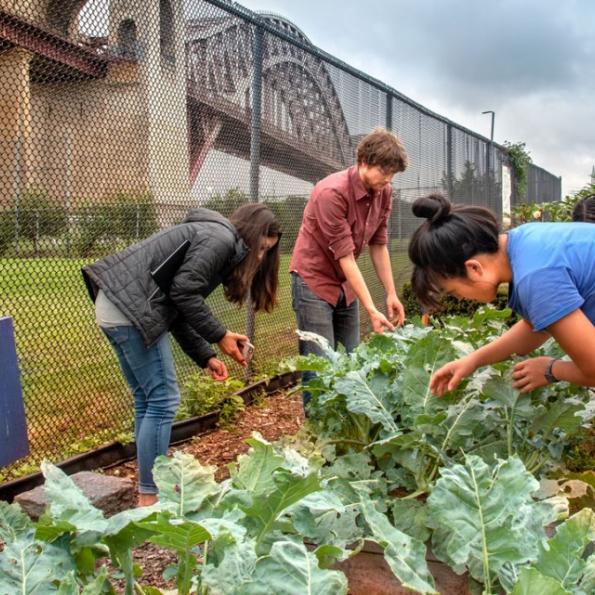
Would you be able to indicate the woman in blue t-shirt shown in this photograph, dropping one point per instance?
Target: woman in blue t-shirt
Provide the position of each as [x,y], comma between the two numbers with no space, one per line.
[550,269]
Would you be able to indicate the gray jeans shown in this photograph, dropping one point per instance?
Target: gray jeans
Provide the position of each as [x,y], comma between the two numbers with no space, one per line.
[337,324]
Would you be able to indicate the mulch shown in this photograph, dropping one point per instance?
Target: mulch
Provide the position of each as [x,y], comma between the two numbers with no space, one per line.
[278,416]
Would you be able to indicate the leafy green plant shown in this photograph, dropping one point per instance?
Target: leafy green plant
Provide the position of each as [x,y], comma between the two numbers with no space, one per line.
[226,203]
[486,520]
[550,211]
[561,567]
[376,441]
[450,305]
[39,215]
[229,538]
[377,400]
[232,407]
[201,395]
[519,159]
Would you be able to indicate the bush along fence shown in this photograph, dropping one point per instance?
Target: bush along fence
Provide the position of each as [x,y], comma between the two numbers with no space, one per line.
[380,460]
[36,225]
[527,212]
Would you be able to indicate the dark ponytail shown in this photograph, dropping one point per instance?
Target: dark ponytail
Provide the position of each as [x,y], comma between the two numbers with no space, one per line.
[440,246]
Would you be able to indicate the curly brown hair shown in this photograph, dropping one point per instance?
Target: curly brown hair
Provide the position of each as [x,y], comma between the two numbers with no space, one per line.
[384,149]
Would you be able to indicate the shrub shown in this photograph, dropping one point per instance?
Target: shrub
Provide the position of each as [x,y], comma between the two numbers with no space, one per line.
[127,216]
[450,305]
[7,229]
[39,215]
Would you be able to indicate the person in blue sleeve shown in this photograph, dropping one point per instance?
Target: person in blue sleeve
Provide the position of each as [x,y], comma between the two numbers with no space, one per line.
[550,269]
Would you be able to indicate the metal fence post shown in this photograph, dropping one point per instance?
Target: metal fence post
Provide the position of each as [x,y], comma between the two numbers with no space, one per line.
[68,188]
[389,126]
[137,223]
[37,233]
[18,187]
[449,162]
[255,133]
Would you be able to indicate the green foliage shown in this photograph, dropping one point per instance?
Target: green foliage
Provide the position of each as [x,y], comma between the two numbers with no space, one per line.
[291,569]
[550,211]
[376,400]
[405,555]
[561,566]
[373,427]
[34,216]
[40,215]
[519,159]
[485,519]
[227,203]
[470,185]
[126,216]
[289,213]
[184,483]
[201,395]
[450,305]
[236,535]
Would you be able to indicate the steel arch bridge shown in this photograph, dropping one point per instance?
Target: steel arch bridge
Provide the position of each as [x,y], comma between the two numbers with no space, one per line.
[304,132]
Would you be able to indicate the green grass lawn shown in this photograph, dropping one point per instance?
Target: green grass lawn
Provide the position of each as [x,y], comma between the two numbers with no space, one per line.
[75,396]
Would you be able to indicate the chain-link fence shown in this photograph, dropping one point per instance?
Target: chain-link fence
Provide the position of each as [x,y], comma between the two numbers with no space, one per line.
[117,116]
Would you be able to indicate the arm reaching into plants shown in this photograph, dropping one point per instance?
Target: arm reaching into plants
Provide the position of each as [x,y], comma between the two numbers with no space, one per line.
[381,261]
[530,374]
[352,273]
[217,369]
[520,339]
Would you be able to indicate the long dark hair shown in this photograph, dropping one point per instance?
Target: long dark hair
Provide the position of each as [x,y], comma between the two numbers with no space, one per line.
[584,209]
[440,246]
[259,278]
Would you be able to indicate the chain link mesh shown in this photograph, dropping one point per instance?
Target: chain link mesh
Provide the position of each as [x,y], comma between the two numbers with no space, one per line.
[116,117]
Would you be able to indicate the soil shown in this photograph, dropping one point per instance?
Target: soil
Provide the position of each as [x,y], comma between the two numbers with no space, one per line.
[278,416]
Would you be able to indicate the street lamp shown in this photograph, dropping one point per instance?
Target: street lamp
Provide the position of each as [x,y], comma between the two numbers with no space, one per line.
[493,117]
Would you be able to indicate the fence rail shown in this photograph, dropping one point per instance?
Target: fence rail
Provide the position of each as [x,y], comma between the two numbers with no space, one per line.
[118,117]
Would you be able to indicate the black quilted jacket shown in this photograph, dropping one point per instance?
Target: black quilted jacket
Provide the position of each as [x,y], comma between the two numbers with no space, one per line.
[215,249]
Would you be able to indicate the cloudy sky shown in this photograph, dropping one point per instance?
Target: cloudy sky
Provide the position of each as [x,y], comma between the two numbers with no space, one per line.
[531,61]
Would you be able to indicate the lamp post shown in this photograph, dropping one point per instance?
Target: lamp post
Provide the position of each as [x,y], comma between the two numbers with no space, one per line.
[489,178]
[493,117]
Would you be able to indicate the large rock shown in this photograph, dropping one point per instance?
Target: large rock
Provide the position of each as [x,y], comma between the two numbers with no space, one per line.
[110,494]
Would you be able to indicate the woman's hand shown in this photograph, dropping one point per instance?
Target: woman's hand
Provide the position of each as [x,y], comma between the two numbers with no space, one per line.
[449,376]
[217,369]
[231,345]
[530,374]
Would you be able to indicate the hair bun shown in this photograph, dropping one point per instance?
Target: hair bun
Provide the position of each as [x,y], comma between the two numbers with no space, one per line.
[433,207]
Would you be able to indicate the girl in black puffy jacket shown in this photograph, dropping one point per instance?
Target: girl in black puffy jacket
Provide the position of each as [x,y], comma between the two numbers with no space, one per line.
[159,286]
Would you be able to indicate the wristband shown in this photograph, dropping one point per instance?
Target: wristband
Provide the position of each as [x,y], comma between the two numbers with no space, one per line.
[549,375]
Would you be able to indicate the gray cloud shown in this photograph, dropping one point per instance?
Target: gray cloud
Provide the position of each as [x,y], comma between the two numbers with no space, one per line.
[533,62]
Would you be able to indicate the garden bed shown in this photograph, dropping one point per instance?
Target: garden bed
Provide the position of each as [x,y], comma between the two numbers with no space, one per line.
[380,461]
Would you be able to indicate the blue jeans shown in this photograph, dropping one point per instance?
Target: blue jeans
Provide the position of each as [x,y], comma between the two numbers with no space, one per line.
[151,376]
[337,324]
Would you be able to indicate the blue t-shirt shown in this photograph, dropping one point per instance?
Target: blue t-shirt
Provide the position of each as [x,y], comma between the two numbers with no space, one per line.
[553,271]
